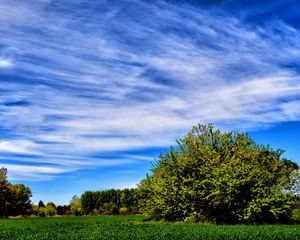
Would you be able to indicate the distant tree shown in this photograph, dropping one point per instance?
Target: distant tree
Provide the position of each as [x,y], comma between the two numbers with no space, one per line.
[126,198]
[50,209]
[41,204]
[87,201]
[219,177]
[62,210]
[42,211]
[51,204]
[75,206]
[14,199]
[3,172]
[110,201]
[3,192]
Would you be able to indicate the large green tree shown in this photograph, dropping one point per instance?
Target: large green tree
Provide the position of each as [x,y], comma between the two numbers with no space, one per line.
[221,177]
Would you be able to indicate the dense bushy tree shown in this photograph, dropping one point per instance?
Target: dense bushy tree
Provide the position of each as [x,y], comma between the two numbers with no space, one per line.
[221,177]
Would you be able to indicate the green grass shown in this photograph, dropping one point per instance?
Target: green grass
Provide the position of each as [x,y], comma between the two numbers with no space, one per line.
[135,227]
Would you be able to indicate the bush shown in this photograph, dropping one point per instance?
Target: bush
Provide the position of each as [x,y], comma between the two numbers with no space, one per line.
[75,206]
[95,212]
[224,178]
[50,211]
[123,211]
[296,211]
[42,212]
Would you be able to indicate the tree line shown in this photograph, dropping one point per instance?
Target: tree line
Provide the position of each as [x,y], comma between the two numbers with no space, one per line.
[208,176]
[113,201]
[105,202]
[15,200]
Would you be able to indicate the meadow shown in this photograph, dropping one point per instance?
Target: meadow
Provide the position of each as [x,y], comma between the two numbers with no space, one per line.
[136,227]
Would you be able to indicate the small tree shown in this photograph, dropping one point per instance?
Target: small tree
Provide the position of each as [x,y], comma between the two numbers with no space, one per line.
[42,211]
[3,172]
[75,206]
[219,177]
[50,209]
[41,204]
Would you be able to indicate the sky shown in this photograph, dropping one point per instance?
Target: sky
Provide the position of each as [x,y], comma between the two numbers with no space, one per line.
[92,91]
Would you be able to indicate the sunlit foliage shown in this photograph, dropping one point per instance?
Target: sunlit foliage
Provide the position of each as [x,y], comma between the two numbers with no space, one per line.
[220,177]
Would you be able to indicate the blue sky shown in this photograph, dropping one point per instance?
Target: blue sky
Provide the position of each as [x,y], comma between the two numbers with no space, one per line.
[92,91]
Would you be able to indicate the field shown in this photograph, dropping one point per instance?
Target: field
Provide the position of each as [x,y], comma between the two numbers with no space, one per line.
[135,227]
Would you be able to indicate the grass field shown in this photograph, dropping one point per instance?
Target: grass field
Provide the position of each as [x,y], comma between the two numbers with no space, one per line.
[135,227]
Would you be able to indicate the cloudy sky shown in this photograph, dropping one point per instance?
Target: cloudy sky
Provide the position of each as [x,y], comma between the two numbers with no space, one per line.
[92,91]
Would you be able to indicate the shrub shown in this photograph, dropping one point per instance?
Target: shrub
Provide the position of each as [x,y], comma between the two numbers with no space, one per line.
[42,212]
[123,211]
[225,178]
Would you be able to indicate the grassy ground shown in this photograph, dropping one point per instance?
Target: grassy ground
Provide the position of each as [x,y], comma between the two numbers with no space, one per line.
[135,227]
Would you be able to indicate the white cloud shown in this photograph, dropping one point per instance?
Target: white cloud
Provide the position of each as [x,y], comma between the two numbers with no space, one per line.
[5,63]
[35,169]
[105,82]
[21,146]
[34,173]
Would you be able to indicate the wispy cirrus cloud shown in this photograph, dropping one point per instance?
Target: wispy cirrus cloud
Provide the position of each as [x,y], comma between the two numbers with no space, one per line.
[105,76]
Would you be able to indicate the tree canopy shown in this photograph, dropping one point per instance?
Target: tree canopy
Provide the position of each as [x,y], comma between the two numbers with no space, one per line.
[3,172]
[221,177]
[14,199]
[111,201]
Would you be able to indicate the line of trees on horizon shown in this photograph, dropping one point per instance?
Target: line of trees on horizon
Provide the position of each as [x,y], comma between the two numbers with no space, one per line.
[112,201]
[15,201]
[105,202]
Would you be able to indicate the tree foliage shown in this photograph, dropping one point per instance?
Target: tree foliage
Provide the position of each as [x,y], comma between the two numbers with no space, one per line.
[112,201]
[41,204]
[221,177]
[50,209]
[14,199]
[3,172]
[75,206]
[63,210]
